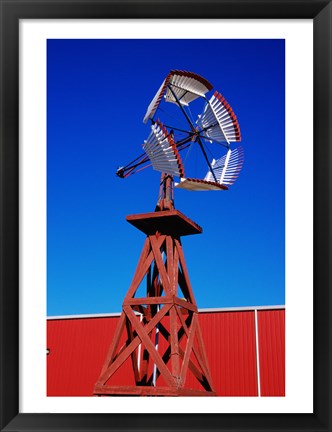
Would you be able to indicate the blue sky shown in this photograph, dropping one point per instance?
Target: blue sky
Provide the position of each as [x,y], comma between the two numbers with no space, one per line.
[97,95]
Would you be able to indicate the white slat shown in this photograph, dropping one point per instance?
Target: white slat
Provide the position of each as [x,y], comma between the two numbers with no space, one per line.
[228,167]
[187,86]
[219,120]
[162,152]
[199,185]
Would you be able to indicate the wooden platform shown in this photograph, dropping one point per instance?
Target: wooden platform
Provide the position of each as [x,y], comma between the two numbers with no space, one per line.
[168,222]
[149,391]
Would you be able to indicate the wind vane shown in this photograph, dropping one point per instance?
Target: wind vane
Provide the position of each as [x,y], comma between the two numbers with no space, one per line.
[159,332]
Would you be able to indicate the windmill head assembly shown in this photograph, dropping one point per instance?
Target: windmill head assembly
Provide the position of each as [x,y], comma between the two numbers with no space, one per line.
[159,331]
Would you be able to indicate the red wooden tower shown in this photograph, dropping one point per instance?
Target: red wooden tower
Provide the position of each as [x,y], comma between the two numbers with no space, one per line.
[160,332]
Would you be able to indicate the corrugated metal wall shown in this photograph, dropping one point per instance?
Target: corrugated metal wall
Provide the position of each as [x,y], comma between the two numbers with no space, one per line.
[271,336]
[230,343]
[78,348]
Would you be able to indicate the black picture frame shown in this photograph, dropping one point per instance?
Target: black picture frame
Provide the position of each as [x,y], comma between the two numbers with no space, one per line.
[14,10]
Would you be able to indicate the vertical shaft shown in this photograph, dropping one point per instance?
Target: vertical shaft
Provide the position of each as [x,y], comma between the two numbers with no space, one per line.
[166,193]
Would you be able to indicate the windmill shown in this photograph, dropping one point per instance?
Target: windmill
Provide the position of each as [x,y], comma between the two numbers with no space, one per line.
[159,331]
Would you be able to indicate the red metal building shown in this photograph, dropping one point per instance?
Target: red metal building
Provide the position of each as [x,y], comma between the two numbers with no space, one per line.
[245,349]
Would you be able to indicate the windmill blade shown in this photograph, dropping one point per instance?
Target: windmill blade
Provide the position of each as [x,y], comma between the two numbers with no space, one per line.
[162,151]
[152,108]
[187,86]
[226,170]
[219,121]
[199,185]
[228,167]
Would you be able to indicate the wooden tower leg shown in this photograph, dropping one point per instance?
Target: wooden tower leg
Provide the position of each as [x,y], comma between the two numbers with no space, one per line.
[166,313]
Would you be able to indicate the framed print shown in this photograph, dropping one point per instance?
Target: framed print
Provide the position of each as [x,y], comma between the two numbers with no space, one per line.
[59,106]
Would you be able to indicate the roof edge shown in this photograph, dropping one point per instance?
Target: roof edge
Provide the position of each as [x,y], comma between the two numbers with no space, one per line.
[202,310]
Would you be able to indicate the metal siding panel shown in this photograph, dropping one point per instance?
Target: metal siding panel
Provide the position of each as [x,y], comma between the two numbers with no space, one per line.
[78,348]
[230,344]
[271,336]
